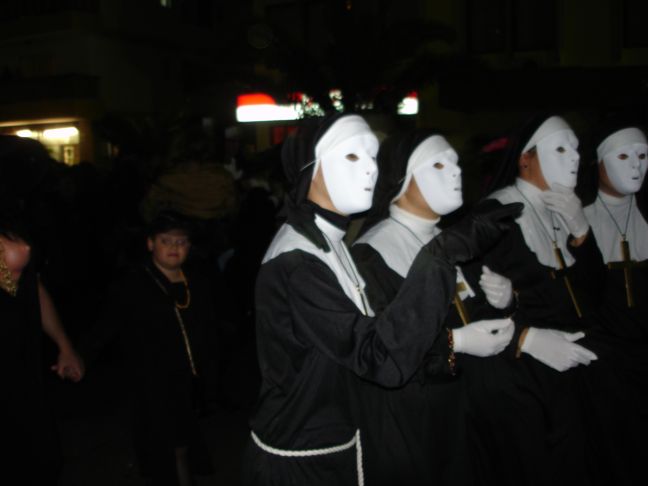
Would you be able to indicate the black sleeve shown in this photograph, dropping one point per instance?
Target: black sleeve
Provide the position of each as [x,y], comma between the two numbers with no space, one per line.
[382,282]
[386,349]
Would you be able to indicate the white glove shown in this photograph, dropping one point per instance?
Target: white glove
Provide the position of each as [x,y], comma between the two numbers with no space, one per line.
[556,349]
[498,288]
[565,202]
[483,338]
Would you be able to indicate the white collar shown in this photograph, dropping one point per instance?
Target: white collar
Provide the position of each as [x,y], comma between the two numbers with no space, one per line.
[424,229]
[338,259]
[610,200]
[536,222]
[531,192]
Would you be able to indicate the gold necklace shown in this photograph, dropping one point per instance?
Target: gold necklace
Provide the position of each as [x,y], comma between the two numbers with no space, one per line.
[6,280]
[187,293]
[183,330]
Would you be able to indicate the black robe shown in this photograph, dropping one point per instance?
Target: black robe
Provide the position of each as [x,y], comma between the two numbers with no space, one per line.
[32,451]
[419,430]
[529,413]
[314,347]
[163,392]
[619,426]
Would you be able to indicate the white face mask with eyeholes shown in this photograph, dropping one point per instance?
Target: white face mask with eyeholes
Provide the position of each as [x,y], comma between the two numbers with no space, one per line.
[439,180]
[559,158]
[350,172]
[624,154]
[626,167]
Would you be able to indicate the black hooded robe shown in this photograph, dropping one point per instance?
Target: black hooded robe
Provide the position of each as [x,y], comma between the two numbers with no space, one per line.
[619,426]
[531,419]
[421,429]
[314,345]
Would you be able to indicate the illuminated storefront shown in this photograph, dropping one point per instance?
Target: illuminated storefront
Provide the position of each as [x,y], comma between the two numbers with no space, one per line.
[272,121]
[61,138]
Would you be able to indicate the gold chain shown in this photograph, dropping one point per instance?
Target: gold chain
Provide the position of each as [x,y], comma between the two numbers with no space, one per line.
[185,338]
[181,324]
[6,280]
[187,293]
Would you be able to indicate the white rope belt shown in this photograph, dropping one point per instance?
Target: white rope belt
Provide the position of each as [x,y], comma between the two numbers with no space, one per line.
[355,441]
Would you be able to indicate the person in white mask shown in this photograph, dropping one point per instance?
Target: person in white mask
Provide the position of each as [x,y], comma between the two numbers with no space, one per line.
[617,220]
[420,428]
[553,227]
[551,261]
[617,217]
[317,333]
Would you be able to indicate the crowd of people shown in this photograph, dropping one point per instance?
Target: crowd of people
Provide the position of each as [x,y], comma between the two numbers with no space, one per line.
[502,349]
[503,343]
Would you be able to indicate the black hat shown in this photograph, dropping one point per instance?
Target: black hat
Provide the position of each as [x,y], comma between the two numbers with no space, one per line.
[166,221]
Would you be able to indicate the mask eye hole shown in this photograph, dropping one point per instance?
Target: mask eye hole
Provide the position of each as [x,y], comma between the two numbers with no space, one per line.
[438,165]
[560,150]
[642,156]
[352,157]
[622,156]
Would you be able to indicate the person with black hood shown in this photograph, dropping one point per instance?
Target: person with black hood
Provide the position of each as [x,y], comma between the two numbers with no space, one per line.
[316,331]
[420,428]
[551,260]
[617,217]
[160,314]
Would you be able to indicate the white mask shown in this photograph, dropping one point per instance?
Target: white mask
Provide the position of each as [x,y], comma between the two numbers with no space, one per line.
[439,180]
[558,156]
[624,155]
[626,167]
[350,172]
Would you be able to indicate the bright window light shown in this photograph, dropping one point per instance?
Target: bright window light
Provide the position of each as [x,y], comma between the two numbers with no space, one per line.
[63,133]
[256,113]
[26,133]
[256,107]
[409,105]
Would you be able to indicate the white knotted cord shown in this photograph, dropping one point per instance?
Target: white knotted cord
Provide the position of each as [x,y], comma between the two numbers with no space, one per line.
[355,441]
